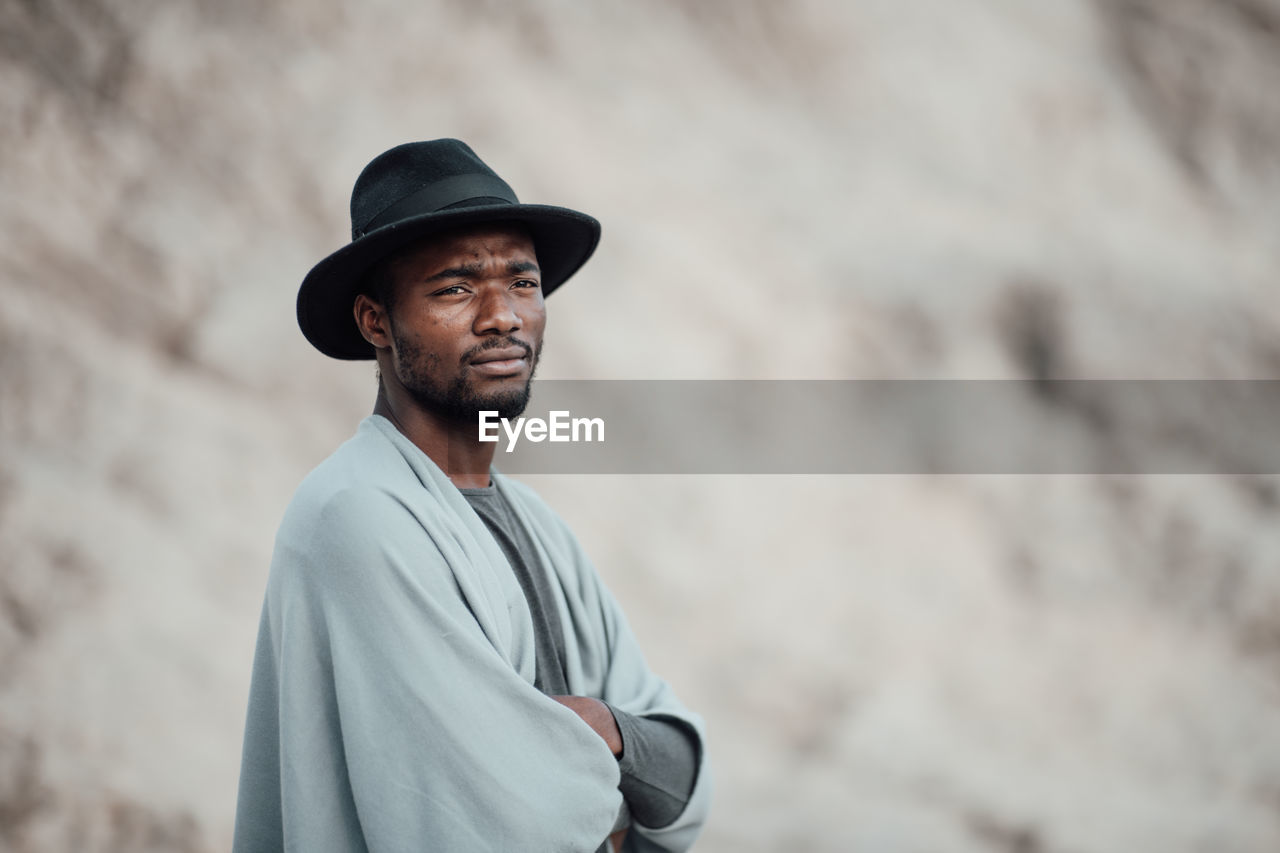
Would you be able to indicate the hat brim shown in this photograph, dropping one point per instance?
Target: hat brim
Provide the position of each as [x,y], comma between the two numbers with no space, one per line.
[564,239]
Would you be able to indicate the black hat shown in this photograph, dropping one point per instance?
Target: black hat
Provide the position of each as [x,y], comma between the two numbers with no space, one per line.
[414,190]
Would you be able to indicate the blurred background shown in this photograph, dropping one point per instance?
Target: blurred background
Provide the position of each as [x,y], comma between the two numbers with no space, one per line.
[968,189]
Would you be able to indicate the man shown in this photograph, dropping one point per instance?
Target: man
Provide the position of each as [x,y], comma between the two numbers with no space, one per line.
[439,667]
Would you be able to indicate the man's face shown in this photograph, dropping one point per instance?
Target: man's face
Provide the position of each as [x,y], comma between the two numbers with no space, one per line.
[466,322]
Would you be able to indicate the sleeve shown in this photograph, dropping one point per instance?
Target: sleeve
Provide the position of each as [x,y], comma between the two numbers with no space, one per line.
[628,684]
[659,766]
[401,727]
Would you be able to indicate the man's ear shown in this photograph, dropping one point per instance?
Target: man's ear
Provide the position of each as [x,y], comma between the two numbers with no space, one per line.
[372,321]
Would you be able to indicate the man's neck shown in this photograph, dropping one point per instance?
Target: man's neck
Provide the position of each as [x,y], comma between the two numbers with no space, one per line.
[454,446]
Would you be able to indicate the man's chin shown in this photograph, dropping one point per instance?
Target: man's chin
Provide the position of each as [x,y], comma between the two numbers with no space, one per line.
[508,404]
[464,401]
[508,396]
[506,409]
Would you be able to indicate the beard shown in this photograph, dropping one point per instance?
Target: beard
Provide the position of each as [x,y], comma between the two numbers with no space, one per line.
[457,400]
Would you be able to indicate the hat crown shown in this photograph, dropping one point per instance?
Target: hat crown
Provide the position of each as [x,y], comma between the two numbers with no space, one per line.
[423,177]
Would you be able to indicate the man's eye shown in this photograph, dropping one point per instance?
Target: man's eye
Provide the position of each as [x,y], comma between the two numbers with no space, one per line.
[449,291]
[527,282]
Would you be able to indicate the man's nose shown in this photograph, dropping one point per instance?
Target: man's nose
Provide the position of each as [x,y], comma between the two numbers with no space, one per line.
[497,313]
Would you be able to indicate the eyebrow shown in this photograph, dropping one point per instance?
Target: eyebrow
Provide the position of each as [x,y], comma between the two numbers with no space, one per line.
[474,270]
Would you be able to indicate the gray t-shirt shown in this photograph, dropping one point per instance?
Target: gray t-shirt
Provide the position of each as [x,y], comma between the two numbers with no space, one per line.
[659,760]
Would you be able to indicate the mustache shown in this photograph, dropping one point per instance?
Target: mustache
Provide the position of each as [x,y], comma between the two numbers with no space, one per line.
[497,343]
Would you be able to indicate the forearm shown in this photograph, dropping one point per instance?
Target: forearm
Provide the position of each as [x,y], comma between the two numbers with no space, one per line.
[599,716]
[659,766]
[657,757]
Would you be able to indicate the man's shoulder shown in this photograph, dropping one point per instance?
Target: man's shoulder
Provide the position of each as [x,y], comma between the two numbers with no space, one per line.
[366,460]
[361,507]
[365,482]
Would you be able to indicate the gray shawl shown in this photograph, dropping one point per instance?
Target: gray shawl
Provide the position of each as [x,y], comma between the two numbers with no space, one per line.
[392,705]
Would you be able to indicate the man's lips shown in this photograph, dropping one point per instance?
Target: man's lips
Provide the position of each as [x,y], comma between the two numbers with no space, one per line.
[498,362]
[504,354]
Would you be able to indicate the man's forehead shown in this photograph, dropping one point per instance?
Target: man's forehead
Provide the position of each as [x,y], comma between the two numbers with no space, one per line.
[472,241]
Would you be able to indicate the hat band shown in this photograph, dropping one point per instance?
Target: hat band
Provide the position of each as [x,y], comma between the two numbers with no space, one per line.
[438,196]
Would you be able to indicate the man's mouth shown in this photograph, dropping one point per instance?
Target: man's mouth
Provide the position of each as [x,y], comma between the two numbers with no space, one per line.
[501,362]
